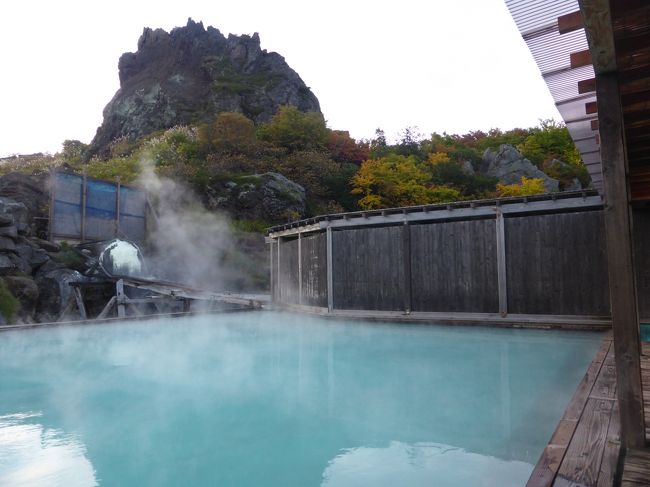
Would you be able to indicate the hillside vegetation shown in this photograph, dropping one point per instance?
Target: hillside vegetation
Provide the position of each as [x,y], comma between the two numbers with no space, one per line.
[337,172]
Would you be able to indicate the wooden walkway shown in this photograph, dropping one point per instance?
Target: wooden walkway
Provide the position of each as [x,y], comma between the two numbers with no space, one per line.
[636,472]
[584,449]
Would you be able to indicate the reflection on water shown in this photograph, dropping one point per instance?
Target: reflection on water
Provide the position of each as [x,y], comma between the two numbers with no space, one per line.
[418,464]
[31,455]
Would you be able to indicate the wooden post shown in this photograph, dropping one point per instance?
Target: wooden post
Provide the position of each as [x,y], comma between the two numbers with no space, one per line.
[271,275]
[620,260]
[84,196]
[330,275]
[80,303]
[299,268]
[121,298]
[50,221]
[502,277]
[406,245]
[279,279]
[117,207]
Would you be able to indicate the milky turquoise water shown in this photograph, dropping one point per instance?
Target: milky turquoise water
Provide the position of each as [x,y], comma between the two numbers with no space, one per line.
[265,399]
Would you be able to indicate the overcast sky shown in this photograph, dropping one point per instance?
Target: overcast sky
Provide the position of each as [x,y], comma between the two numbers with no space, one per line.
[439,65]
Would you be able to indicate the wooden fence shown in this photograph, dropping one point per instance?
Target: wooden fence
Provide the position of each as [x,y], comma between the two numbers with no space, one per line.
[532,261]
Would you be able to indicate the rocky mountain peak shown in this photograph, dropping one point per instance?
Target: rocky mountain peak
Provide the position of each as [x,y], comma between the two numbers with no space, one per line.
[191,74]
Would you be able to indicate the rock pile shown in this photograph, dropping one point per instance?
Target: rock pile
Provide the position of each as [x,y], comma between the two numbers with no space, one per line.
[35,271]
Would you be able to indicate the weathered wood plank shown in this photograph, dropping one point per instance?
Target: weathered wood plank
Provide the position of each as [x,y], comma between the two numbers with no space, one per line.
[544,473]
[580,397]
[620,260]
[553,270]
[368,269]
[605,386]
[641,220]
[454,267]
[314,269]
[612,451]
[288,271]
[583,458]
[636,472]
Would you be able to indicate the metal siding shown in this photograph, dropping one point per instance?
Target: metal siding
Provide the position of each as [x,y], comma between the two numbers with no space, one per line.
[368,268]
[454,267]
[556,264]
[641,230]
[314,270]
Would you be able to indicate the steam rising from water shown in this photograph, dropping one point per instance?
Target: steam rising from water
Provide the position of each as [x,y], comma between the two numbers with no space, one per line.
[188,244]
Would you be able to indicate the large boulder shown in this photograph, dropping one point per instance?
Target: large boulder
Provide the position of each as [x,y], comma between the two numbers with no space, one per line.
[55,292]
[25,198]
[26,291]
[510,166]
[191,74]
[269,197]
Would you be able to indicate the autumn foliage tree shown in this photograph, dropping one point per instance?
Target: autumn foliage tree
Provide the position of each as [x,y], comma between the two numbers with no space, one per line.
[527,187]
[397,180]
[295,130]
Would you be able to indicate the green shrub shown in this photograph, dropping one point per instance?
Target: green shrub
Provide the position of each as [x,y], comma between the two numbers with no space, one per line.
[9,305]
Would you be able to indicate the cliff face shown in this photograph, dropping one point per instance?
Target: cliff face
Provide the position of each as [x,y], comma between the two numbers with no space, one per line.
[191,74]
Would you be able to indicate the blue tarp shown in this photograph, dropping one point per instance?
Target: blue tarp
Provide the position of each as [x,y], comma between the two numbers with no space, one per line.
[101,209]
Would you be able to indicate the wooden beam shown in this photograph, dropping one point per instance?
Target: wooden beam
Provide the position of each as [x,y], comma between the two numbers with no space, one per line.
[121,299]
[570,22]
[580,58]
[587,85]
[330,270]
[620,259]
[84,198]
[502,278]
[299,268]
[406,246]
[591,107]
[598,29]
[271,275]
[117,207]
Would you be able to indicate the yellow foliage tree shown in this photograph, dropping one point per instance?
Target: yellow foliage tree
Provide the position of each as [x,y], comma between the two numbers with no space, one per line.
[528,187]
[396,180]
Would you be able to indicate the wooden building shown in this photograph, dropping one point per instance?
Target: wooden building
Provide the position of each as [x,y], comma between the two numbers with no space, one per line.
[595,58]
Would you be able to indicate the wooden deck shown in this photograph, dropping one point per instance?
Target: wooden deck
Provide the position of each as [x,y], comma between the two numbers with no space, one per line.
[636,472]
[645,381]
[584,450]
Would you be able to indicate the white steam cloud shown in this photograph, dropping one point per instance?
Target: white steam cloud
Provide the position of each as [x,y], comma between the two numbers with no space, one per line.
[187,244]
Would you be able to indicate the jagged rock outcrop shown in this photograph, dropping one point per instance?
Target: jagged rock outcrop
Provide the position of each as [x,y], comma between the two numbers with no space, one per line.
[192,73]
[509,166]
[269,197]
[34,270]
